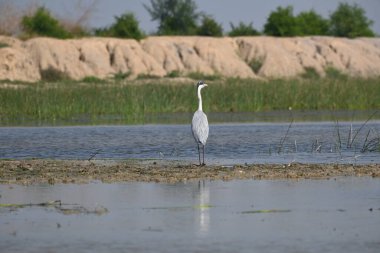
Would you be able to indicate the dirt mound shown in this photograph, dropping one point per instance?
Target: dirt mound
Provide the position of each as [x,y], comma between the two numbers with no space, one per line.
[289,57]
[245,57]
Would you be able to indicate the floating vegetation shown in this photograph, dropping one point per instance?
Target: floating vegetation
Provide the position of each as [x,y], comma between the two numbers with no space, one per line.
[67,209]
[43,204]
[267,211]
[179,208]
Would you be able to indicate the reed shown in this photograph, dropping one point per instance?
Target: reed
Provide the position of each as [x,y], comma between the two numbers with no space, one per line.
[130,101]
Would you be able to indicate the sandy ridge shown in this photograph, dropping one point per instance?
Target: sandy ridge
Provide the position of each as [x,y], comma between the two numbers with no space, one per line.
[160,56]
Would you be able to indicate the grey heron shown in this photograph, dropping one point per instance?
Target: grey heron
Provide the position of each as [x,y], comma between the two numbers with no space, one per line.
[199,125]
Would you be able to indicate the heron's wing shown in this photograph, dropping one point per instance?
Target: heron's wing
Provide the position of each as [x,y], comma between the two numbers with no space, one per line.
[199,127]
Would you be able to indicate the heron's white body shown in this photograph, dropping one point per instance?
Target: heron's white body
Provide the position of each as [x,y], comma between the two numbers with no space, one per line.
[199,124]
[199,127]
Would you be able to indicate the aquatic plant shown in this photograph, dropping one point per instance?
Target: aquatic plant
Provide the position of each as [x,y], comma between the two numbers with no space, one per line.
[131,100]
[371,145]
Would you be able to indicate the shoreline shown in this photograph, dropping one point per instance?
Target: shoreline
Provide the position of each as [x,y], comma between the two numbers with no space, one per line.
[44,171]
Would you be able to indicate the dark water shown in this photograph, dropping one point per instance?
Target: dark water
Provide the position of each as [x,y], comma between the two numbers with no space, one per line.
[341,215]
[314,142]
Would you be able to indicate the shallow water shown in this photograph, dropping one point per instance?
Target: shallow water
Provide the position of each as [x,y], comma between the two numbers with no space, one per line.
[310,142]
[341,215]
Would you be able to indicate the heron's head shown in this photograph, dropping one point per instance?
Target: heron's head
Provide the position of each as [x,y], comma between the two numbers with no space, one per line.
[201,84]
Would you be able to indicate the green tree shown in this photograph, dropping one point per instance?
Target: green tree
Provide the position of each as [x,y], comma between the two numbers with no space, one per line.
[281,23]
[243,30]
[42,23]
[175,17]
[350,21]
[125,26]
[210,27]
[311,23]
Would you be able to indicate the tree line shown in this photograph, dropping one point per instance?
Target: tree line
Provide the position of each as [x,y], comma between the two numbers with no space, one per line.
[182,17]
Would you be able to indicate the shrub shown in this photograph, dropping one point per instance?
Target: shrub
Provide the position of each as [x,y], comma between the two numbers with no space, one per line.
[281,23]
[311,23]
[125,26]
[75,30]
[2,45]
[92,79]
[53,75]
[121,75]
[334,73]
[173,74]
[310,73]
[256,63]
[210,27]
[42,23]
[243,30]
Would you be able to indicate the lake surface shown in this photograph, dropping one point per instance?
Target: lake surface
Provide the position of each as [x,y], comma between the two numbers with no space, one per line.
[307,142]
[337,215]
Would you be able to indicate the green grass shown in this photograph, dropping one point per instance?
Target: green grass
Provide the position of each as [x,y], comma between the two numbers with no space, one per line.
[121,75]
[173,74]
[53,75]
[130,101]
[201,76]
[92,79]
[256,63]
[2,45]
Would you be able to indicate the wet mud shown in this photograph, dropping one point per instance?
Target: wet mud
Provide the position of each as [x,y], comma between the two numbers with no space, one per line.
[28,172]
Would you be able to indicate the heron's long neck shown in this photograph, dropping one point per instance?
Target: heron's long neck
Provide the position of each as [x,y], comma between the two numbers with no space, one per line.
[199,99]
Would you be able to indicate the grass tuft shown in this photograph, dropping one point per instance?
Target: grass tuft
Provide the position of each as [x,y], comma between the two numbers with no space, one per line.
[174,74]
[333,73]
[2,45]
[121,76]
[202,76]
[147,76]
[310,73]
[256,63]
[92,79]
[53,75]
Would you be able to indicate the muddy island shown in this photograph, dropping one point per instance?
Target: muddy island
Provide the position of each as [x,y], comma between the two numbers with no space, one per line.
[28,172]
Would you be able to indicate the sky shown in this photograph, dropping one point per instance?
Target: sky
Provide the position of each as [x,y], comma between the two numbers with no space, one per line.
[223,11]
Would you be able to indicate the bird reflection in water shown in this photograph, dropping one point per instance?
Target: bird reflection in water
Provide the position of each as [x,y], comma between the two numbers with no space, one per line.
[204,207]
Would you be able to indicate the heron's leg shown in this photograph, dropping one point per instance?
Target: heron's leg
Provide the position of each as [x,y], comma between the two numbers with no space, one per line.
[199,154]
[203,149]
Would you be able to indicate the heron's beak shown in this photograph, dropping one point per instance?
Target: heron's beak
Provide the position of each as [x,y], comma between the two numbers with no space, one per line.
[205,84]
